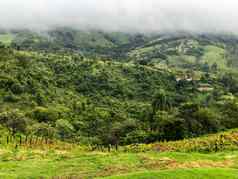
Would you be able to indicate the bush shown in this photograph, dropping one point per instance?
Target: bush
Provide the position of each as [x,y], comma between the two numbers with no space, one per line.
[17,88]
[43,130]
[64,129]
[14,121]
[136,136]
[43,114]
[11,98]
[199,120]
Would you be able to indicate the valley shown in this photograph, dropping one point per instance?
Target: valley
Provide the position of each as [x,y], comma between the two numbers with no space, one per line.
[95,104]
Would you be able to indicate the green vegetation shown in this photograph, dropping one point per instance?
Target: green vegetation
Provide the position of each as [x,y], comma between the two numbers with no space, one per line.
[129,104]
[134,103]
[182,174]
[6,38]
[78,98]
[58,159]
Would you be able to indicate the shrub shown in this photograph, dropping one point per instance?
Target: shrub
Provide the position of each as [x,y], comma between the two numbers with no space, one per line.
[43,114]
[14,121]
[64,128]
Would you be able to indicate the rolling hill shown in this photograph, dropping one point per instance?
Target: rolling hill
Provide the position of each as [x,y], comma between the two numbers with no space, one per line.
[138,99]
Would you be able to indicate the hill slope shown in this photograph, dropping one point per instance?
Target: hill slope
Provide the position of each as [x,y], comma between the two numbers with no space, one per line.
[135,103]
[67,96]
[187,84]
[62,160]
[179,50]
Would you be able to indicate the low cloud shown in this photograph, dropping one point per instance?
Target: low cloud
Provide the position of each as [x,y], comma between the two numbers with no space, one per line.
[122,15]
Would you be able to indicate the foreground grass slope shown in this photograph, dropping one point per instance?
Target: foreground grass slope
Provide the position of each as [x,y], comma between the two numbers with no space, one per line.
[56,163]
[182,174]
[70,160]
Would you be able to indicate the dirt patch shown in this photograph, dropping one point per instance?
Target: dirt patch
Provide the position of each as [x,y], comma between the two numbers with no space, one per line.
[110,170]
[168,163]
[61,152]
[161,163]
[202,164]
[2,152]
[162,148]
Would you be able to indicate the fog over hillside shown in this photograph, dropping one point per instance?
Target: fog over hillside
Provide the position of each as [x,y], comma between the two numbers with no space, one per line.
[122,15]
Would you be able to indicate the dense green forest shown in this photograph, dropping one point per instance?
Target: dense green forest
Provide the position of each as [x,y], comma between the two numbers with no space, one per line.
[110,89]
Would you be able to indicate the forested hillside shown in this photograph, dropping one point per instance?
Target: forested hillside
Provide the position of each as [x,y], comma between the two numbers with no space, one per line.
[149,88]
[118,89]
[94,104]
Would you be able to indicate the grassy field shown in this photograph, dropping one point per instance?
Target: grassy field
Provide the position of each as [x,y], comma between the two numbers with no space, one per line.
[201,173]
[214,55]
[48,164]
[80,164]
[6,38]
[62,160]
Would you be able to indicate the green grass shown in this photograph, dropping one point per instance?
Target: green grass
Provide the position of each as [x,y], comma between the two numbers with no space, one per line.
[213,55]
[202,173]
[65,160]
[6,38]
[36,163]
[92,39]
[144,50]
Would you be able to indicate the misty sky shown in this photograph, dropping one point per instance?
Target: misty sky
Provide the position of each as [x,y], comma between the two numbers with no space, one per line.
[122,15]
